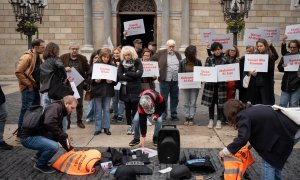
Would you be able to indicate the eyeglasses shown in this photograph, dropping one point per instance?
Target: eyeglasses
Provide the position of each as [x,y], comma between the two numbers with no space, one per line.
[293,47]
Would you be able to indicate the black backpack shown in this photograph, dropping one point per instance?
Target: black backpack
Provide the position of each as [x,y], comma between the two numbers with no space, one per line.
[33,117]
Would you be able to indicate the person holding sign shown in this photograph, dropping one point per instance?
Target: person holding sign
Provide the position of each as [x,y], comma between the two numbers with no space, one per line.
[190,95]
[147,82]
[103,91]
[130,72]
[260,89]
[80,63]
[290,84]
[215,93]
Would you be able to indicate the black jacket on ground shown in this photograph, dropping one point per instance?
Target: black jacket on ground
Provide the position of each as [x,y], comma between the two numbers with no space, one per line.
[53,124]
[270,132]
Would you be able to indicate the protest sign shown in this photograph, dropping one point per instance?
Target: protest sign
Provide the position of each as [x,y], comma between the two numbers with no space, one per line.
[75,75]
[225,39]
[205,74]
[252,35]
[292,62]
[134,27]
[228,72]
[256,62]
[272,33]
[150,69]
[292,31]
[186,81]
[205,34]
[104,71]
[75,90]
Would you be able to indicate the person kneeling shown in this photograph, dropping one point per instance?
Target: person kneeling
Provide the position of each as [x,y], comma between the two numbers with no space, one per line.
[151,104]
[45,139]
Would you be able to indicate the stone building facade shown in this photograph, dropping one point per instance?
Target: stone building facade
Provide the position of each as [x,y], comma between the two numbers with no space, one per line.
[91,22]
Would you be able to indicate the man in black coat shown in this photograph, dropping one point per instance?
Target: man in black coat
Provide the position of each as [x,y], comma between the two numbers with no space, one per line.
[45,139]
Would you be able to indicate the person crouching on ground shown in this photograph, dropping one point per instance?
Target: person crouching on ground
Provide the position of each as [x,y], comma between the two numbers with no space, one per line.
[271,134]
[151,104]
[45,139]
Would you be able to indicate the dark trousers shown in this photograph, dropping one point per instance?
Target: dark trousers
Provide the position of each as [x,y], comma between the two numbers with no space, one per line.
[130,110]
[211,108]
[29,98]
[79,108]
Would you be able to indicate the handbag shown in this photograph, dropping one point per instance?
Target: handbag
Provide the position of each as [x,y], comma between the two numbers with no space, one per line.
[246,81]
[88,96]
[291,113]
[58,89]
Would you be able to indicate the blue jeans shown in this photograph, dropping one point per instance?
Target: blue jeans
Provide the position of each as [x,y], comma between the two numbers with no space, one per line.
[290,98]
[90,110]
[28,98]
[166,88]
[102,114]
[190,104]
[118,105]
[3,116]
[136,126]
[45,100]
[269,172]
[46,148]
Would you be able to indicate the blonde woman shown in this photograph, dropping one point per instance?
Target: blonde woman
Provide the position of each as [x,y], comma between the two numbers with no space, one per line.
[130,72]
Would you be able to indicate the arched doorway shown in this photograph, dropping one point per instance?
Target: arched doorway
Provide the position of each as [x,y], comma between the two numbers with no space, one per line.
[137,9]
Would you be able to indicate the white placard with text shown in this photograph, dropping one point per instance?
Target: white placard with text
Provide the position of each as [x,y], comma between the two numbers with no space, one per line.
[292,31]
[150,69]
[134,27]
[104,71]
[225,39]
[205,74]
[75,75]
[186,81]
[228,72]
[292,62]
[272,33]
[252,35]
[205,34]
[256,62]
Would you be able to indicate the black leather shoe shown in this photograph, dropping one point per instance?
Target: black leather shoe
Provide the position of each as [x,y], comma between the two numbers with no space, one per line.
[80,125]
[106,131]
[97,133]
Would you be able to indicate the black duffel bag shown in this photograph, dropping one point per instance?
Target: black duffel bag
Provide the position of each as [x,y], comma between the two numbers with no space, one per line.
[58,89]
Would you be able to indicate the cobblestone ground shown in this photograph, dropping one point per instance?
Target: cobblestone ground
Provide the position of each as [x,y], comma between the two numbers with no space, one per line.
[16,164]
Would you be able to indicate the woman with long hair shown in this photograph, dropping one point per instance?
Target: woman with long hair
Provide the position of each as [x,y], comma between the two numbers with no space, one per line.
[190,95]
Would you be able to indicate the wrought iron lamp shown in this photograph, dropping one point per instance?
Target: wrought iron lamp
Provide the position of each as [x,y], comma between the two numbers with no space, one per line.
[234,12]
[27,12]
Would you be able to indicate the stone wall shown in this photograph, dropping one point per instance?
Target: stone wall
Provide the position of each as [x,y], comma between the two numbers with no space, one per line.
[63,21]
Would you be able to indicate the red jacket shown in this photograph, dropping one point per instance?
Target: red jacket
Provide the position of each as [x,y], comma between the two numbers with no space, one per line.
[159,105]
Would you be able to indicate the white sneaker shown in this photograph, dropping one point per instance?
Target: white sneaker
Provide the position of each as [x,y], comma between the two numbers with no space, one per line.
[218,125]
[148,121]
[129,130]
[210,124]
[87,120]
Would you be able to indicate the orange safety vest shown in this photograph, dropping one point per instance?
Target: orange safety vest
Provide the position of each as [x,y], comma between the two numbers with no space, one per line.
[235,165]
[78,163]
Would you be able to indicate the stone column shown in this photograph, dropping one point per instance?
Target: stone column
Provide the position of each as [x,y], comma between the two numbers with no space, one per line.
[107,23]
[185,25]
[165,23]
[88,28]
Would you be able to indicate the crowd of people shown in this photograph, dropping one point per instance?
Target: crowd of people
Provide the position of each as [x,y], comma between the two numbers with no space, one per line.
[137,100]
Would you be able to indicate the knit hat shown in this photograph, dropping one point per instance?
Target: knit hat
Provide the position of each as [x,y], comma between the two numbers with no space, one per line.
[147,104]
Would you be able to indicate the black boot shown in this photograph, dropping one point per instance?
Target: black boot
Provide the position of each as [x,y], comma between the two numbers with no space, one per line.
[106,131]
